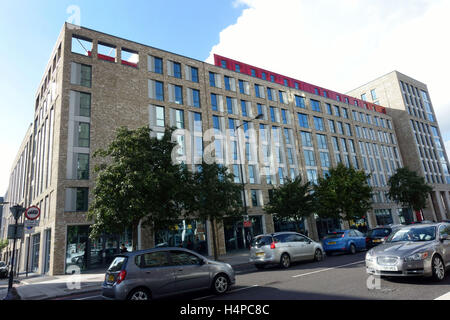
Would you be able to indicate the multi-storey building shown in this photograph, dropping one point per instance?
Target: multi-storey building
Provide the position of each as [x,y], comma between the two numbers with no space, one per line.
[96,82]
[408,102]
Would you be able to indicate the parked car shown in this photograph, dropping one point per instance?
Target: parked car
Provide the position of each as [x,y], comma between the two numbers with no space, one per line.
[3,270]
[344,241]
[415,250]
[283,248]
[160,272]
[378,235]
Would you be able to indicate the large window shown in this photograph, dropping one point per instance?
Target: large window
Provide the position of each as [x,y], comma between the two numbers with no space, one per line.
[318,124]
[83,134]
[300,102]
[315,105]
[82,166]
[303,120]
[189,234]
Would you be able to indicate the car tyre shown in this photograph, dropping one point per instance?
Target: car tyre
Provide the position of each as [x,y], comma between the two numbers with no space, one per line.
[352,249]
[438,268]
[318,255]
[285,261]
[139,294]
[220,284]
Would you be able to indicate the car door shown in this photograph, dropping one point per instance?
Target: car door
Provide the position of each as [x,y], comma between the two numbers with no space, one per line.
[156,272]
[352,238]
[361,239]
[299,246]
[308,247]
[190,271]
[445,230]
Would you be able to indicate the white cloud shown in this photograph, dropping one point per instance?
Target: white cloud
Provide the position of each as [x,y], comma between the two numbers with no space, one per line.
[343,44]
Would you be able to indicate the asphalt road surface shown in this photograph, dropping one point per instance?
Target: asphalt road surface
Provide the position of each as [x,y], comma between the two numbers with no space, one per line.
[339,277]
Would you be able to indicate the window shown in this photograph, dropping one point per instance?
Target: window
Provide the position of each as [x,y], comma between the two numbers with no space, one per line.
[286,82]
[193,75]
[82,166]
[251,174]
[348,129]
[270,94]
[214,102]
[290,156]
[179,119]
[156,90]
[263,76]
[303,120]
[309,158]
[193,98]
[216,125]
[363,97]
[83,134]
[284,116]
[106,52]
[337,113]
[76,199]
[81,75]
[130,57]
[322,141]
[236,172]
[227,83]
[244,108]
[331,125]
[306,139]
[311,174]
[237,68]
[272,78]
[300,102]
[340,127]
[259,91]
[315,105]
[345,113]
[287,135]
[373,94]
[155,64]
[223,63]
[212,79]
[231,102]
[254,195]
[159,116]
[325,159]
[253,73]
[318,124]
[81,45]
[178,90]
[328,106]
[281,175]
[283,97]
[272,114]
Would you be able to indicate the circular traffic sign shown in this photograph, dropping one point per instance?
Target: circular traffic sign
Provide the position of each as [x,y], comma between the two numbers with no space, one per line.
[32,213]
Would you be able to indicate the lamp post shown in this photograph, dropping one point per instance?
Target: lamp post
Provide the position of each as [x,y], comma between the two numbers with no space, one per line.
[259,116]
[17,212]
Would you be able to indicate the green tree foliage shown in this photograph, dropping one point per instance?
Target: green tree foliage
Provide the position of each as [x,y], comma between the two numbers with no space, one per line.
[344,194]
[292,201]
[3,244]
[215,196]
[136,180]
[406,187]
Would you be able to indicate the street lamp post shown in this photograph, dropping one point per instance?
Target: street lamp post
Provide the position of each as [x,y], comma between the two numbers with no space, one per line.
[259,116]
[17,212]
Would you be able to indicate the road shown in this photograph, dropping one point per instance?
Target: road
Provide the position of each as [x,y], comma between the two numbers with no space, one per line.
[340,277]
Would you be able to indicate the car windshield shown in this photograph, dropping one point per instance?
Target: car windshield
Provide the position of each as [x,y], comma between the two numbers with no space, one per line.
[117,264]
[413,234]
[381,232]
[261,241]
[334,235]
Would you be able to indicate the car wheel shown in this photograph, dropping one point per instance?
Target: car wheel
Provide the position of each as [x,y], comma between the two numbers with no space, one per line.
[318,255]
[259,266]
[285,261]
[139,294]
[220,284]
[438,268]
[352,249]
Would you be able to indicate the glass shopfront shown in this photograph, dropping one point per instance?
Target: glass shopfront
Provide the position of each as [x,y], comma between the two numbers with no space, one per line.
[289,225]
[325,226]
[383,216]
[35,252]
[83,253]
[239,234]
[189,234]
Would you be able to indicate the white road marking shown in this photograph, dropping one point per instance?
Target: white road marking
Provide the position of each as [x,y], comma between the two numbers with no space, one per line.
[236,290]
[444,297]
[344,265]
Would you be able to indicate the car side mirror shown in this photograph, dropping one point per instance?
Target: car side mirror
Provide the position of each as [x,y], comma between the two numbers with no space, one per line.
[444,237]
[202,262]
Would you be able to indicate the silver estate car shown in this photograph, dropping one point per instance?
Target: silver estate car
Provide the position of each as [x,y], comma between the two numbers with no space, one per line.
[282,248]
[160,272]
[414,250]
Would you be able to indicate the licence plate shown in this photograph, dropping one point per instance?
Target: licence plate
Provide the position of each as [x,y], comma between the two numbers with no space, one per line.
[376,240]
[388,268]
[332,242]
[111,278]
[259,254]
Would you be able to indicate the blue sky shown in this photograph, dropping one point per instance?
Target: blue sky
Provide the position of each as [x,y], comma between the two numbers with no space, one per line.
[336,44]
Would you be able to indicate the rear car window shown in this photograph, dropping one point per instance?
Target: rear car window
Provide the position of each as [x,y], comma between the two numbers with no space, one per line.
[382,232]
[334,235]
[258,242]
[117,264]
[181,258]
[152,260]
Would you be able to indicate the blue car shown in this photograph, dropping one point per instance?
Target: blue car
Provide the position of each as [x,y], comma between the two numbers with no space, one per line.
[344,241]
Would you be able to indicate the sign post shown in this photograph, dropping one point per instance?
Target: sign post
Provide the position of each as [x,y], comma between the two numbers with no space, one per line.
[16,211]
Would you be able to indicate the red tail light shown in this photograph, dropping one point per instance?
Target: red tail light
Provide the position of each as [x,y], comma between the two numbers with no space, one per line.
[121,276]
[367,239]
[272,245]
[343,235]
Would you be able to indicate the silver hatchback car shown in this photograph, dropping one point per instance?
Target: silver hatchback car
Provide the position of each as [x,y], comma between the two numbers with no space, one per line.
[417,250]
[160,272]
[283,248]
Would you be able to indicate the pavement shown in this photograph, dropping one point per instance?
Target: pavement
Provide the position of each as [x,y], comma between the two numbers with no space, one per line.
[43,287]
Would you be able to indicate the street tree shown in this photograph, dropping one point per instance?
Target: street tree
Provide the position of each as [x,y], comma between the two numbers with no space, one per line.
[292,201]
[137,182]
[343,194]
[215,197]
[409,189]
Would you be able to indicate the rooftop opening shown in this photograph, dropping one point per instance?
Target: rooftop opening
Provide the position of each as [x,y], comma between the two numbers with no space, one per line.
[106,52]
[81,45]
[130,57]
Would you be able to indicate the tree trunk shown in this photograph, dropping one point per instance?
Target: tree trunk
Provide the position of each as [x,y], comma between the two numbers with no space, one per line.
[134,233]
[215,251]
